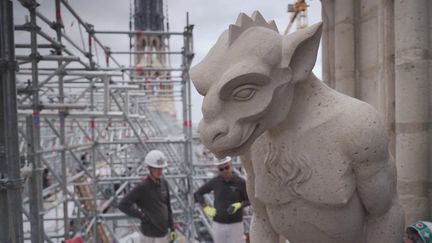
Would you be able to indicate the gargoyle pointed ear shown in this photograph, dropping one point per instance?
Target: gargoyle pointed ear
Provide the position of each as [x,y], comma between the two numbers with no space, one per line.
[299,51]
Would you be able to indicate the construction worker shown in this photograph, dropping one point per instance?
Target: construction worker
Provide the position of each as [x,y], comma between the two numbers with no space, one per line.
[149,201]
[45,178]
[229,198]
[419,232]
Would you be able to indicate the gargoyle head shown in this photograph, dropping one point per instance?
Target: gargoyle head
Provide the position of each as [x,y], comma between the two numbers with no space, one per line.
[247,80]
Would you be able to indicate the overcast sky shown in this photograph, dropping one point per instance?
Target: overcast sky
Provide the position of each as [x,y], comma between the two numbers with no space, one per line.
[210,19]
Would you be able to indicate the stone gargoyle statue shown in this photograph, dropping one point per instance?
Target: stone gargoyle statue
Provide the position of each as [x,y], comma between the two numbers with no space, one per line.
[317,161]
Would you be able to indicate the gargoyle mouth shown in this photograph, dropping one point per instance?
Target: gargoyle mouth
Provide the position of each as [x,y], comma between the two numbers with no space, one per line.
[246,141]
[249,135]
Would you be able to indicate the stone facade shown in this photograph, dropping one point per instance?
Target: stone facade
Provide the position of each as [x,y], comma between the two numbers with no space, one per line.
[378,51]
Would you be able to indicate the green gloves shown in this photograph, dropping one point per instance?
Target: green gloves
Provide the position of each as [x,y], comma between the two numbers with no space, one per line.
[234,208]
[210,211]
[172,236]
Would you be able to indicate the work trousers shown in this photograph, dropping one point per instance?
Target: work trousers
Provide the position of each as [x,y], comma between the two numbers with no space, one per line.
[228,233]
[147,239]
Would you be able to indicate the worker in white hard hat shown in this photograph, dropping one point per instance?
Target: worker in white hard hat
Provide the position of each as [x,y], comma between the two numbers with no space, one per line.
[149,201]
[229,198]
[419,232]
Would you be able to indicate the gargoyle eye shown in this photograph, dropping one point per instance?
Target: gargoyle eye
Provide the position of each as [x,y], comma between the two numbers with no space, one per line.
[244,92]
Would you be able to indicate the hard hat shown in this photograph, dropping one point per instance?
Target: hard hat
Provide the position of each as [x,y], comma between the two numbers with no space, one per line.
[423,229]
[156,159]
[223,161]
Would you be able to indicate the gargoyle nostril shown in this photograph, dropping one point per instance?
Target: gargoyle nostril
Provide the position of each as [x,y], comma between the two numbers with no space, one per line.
[217,136]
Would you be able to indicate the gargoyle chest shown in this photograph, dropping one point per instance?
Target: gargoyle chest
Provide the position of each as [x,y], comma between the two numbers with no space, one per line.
[318,174]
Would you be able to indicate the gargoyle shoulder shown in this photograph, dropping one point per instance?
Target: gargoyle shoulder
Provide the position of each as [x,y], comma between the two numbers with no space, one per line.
[366,135]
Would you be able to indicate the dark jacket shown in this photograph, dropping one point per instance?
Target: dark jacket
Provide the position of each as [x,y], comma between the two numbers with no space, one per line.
[225,194]
[150,202]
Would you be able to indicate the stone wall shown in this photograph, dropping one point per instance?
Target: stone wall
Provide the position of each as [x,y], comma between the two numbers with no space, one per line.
[378,51]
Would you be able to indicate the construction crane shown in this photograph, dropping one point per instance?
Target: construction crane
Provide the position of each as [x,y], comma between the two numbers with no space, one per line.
[298,11]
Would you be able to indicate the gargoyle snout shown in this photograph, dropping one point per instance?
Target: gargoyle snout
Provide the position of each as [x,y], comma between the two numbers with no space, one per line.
[212,133]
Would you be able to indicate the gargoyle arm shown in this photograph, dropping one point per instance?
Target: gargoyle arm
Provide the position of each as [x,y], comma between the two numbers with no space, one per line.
[373,167]
[376,186]
[261,230]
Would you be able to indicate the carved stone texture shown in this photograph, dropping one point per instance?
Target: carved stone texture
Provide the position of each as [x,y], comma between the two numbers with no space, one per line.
[317,161]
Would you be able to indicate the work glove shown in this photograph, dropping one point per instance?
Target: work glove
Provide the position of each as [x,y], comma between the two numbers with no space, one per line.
[233,208]
[172,236]
[210,211]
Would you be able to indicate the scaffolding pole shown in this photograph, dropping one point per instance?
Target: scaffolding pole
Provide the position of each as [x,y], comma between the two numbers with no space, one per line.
[187,126]
[33,130]
[10,183]
[58,25]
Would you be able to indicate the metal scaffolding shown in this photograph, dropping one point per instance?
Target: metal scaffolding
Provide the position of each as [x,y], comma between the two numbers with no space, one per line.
[85,125]
[10,191]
